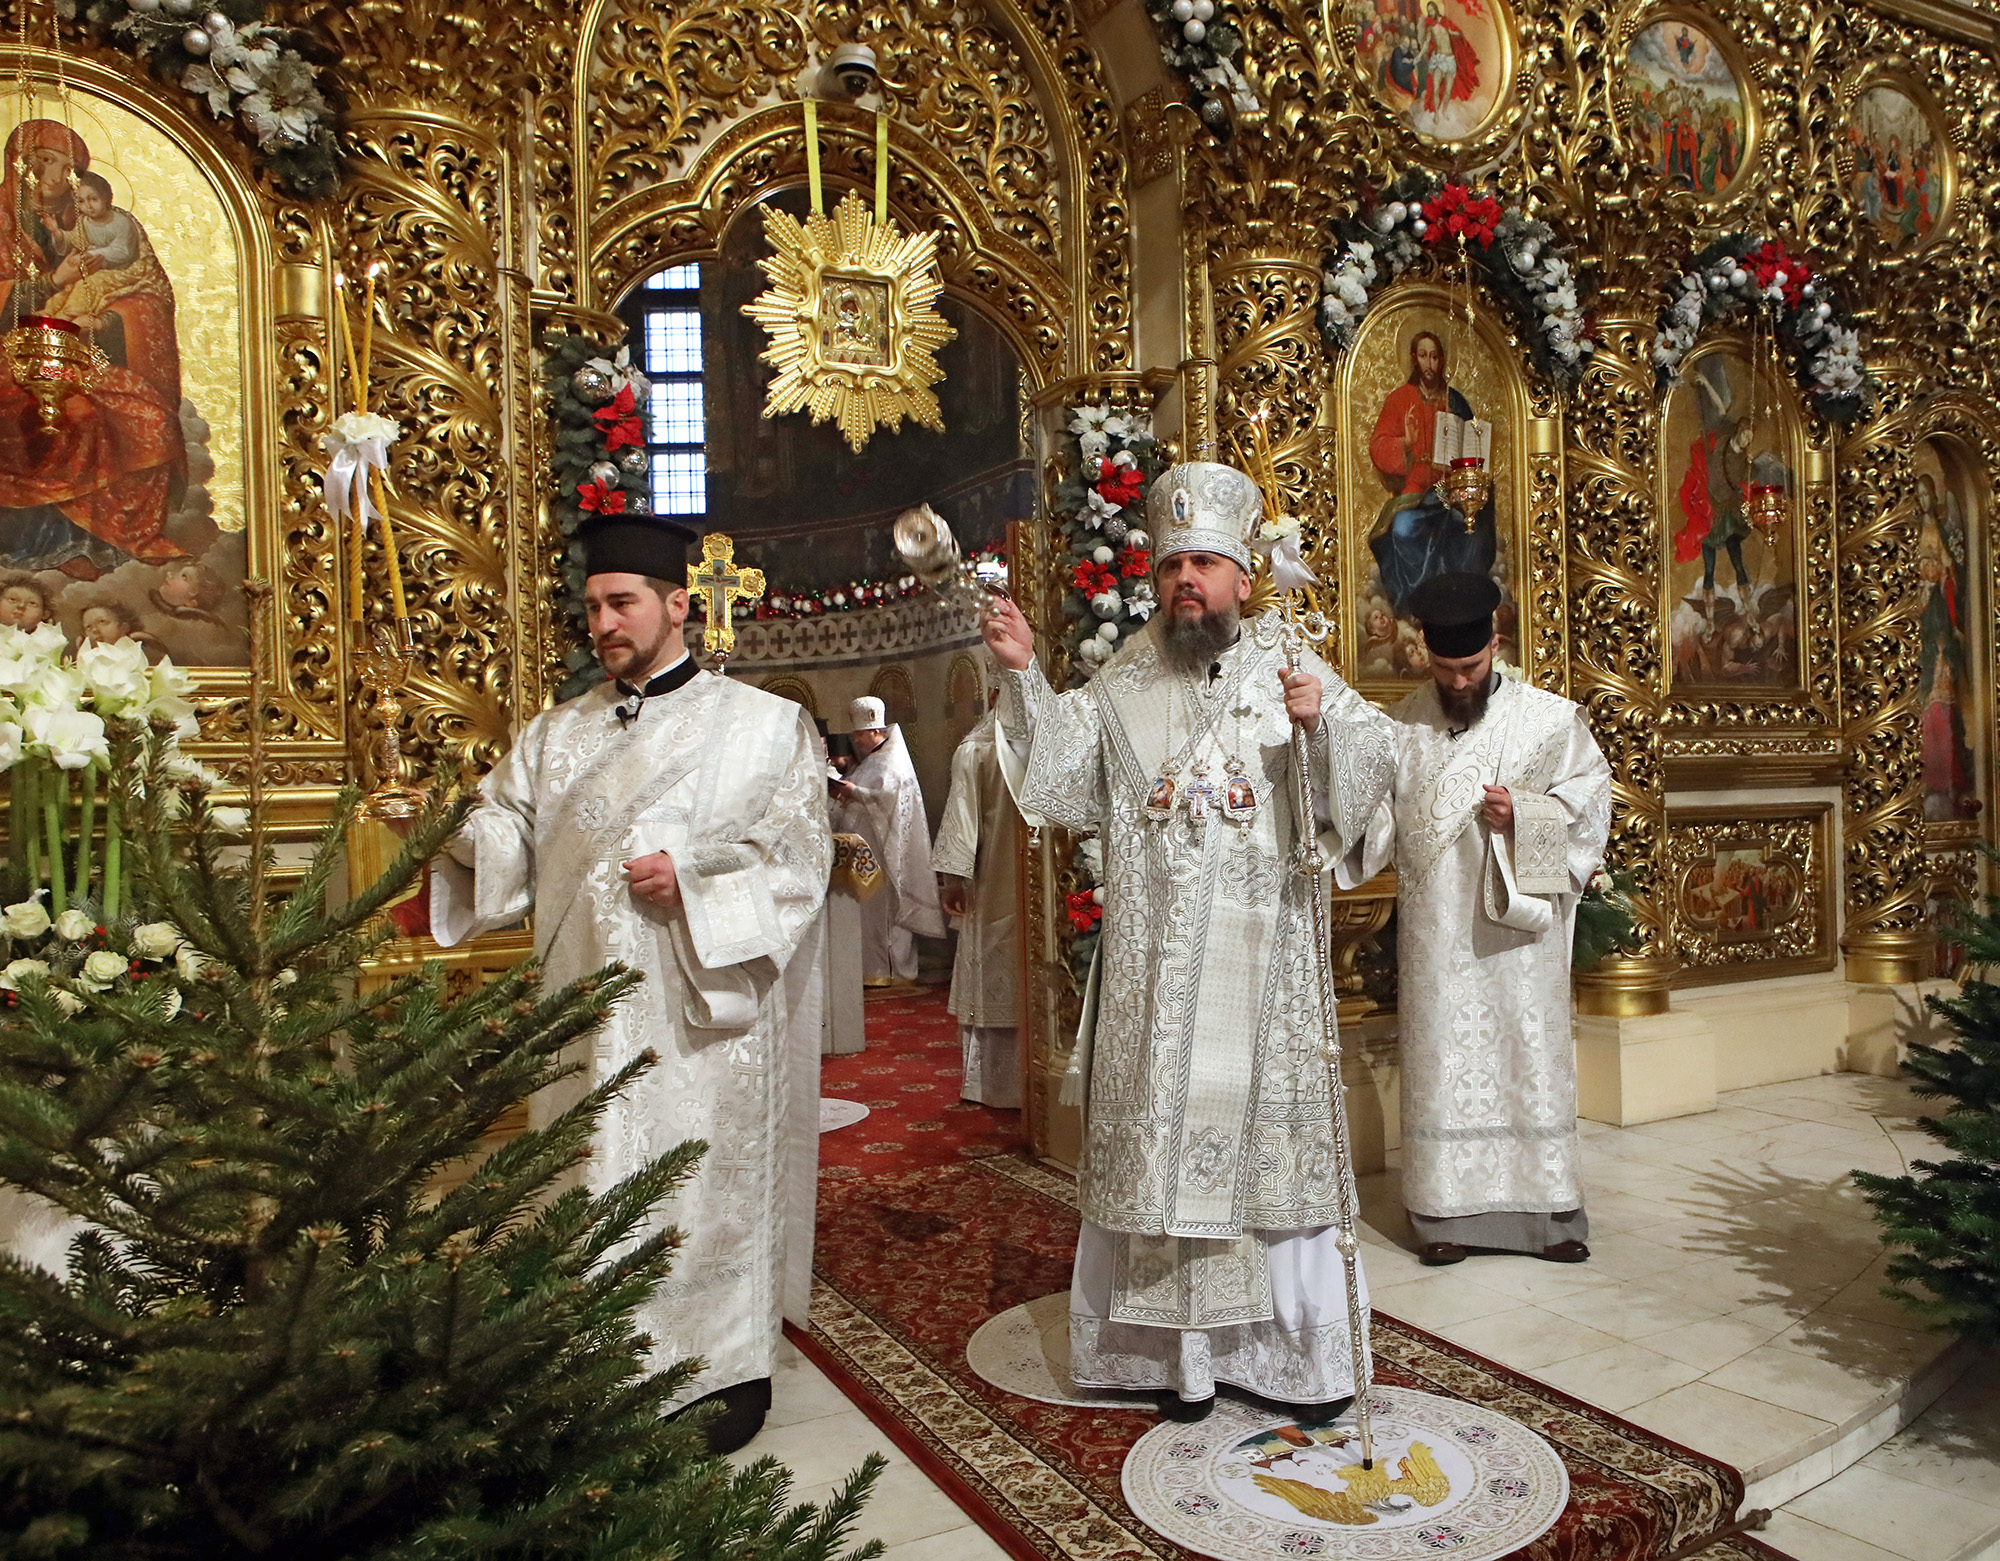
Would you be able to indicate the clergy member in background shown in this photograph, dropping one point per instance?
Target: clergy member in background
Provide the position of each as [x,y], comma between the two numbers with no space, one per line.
[675,821]
[881,802]
[1209,1184]
[1499,814]
[976,855]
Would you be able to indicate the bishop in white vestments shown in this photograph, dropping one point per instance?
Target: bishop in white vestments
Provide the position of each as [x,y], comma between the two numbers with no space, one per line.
[676,821]
[976,854]
[1501,806]
[881,801]
[1209,1183]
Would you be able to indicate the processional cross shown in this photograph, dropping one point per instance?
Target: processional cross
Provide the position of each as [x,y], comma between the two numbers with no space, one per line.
[720,583]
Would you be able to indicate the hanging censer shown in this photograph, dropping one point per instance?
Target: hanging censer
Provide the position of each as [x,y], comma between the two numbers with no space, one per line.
[51,358]
[1765,504]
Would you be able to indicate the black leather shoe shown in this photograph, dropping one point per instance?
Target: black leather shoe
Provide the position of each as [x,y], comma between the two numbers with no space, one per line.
[1440,1254]
[1566,1252]
[744,1406]
[1186,1410]
[1320,1414]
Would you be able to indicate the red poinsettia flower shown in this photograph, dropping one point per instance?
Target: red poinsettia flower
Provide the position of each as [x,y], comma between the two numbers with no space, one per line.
[1121,484]
[596,498]
[1136,564]
[1458,213]
[1084,912]
[1093,578]
[1771,262]
[618,421]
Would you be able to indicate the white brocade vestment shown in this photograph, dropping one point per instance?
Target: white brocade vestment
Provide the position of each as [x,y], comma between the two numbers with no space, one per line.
[888,811]
[1208,1152]
[729,782]
[978,840]
[1484,923]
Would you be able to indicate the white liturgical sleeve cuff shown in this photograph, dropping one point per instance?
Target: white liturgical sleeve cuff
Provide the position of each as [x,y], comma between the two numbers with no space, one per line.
[1541,844]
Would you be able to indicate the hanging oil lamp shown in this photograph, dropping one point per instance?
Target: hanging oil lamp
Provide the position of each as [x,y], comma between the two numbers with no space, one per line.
[1766,505]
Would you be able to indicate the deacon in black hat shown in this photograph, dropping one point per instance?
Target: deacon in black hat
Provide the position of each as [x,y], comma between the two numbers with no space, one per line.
[1500,808]
[676,821]
[636,601]
[1456,612]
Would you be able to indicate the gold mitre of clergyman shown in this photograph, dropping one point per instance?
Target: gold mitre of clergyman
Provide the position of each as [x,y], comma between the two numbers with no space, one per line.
[1204,507]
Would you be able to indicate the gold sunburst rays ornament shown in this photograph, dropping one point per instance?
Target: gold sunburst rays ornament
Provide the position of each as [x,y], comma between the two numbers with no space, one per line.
[852,317]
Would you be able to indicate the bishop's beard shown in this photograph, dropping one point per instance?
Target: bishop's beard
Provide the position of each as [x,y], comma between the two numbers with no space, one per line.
[1463,707]
[1192,644]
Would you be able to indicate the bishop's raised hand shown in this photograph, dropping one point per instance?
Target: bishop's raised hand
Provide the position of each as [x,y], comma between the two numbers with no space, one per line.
[1007,635]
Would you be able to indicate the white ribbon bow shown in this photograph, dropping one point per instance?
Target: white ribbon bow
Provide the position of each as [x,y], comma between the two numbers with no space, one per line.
[358,443]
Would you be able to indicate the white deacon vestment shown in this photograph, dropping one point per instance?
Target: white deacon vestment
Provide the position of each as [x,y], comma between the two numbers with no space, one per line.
[1209,1184]
[1484,922]
[730,782]
[978,840]
[888,811]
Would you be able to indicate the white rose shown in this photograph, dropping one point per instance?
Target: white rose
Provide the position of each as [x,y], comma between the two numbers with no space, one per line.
[286,977]
[101,969]
[231,821]
[25,920]
[72,739]
[171,1003]
[155,940]
[67,1001]
[190,962]
[12,977]
[116,674]
[74,925]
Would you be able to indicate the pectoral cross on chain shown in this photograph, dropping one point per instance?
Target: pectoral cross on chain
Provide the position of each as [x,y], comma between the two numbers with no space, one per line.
[720,582]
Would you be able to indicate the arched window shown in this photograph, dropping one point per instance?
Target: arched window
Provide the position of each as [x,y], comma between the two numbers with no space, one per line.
[664,314]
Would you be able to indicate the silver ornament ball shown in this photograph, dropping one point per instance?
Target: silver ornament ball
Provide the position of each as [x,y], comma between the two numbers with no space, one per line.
[195,41]
[634,459]
[1194,31]
[215,22]
[604,472]
[592,385]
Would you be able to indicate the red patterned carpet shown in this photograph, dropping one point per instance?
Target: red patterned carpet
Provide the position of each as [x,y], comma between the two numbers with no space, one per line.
[928,1226]
[908,1079]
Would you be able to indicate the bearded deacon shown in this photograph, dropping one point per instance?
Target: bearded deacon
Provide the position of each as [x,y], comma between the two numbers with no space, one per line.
[1499,815]
[976,855]
[881,801]
[675,821]
[1210,1181]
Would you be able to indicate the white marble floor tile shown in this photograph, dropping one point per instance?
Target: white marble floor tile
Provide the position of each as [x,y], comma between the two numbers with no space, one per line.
[1809,1541]
[960,1544]
[1713,1343]
[1901,1516]
[1441,1300]
[1527,1338]
[1618,1377]
[1840,1394]
[1744,1431]
[1534,1279]
[1631,1311]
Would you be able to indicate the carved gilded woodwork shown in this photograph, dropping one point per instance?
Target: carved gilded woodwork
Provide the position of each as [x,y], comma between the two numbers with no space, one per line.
[1618,652]
[1886,936]
[1009,99]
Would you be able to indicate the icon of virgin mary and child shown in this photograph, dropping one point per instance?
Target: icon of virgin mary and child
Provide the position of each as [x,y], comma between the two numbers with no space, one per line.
[96,490]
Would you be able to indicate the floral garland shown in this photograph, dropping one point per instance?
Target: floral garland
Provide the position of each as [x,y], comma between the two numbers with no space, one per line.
[1824,346]
[1204,51]
[244,68]
[1109,559]
[1517,256]
[599,464]
[855,594]
[1083,908]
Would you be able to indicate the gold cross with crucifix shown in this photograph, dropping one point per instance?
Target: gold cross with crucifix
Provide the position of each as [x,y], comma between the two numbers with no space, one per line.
[719,582]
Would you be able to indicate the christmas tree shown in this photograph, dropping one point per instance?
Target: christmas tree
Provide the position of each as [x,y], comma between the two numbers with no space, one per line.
[1945,1215]
[276,1335]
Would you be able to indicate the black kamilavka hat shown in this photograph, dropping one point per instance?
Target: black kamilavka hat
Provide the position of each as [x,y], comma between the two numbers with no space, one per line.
[1456,611]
